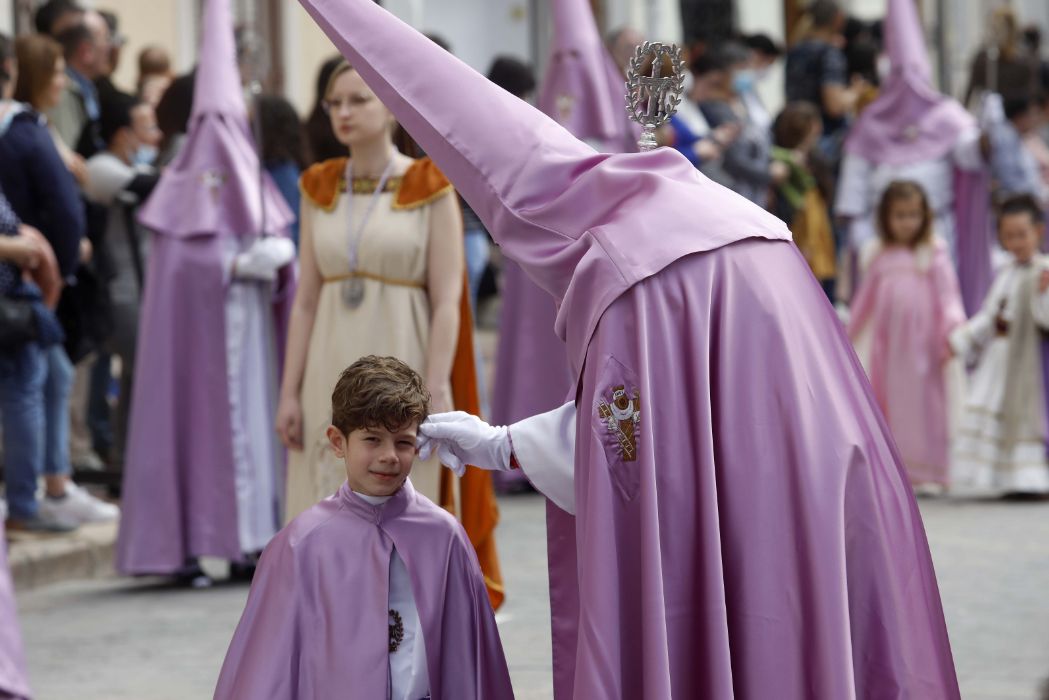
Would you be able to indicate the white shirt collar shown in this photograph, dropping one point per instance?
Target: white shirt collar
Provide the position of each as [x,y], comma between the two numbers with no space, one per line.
[374,500]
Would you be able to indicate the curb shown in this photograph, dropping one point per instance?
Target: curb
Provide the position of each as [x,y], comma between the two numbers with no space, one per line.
[40,560]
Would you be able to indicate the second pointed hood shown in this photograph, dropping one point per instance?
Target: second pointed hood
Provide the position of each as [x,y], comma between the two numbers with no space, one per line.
[909,121]
[213,186]
[584,226]
[583,89]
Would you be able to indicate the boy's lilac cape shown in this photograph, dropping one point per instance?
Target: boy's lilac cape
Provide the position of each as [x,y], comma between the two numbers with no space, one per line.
[764,543]
[179,494]
[316,624]
[911,122]
[13,680]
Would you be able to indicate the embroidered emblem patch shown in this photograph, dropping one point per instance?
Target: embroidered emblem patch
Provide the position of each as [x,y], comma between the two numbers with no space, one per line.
[396,630]
[622,416]
[213,180]
[565,105]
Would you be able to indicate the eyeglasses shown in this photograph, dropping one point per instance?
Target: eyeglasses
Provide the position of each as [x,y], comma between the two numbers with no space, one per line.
[337,104]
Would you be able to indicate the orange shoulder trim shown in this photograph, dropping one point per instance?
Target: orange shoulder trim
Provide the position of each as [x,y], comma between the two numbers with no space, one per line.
[320,183]
[422,183]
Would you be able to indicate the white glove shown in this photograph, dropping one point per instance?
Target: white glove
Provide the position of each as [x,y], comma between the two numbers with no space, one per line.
[459,439]
[991,110]
[262,260]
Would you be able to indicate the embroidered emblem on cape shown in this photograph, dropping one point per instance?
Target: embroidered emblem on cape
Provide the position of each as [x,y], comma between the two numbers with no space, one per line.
[396,630]
[565,105]
[213,180]
[622,415]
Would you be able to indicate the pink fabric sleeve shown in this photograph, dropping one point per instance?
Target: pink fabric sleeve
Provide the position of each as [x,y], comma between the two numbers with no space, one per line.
[863,304]
[948,293]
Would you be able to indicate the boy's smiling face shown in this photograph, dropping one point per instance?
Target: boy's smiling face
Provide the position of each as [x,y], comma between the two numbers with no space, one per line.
[377,460]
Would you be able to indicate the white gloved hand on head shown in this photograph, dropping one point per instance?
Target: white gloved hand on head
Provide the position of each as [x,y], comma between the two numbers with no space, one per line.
[459,438]
[262,260]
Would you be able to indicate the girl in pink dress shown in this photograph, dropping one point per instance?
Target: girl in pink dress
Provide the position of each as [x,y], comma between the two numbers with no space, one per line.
[905,308]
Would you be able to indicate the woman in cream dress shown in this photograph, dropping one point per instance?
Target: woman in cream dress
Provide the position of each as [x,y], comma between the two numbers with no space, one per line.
[400,296]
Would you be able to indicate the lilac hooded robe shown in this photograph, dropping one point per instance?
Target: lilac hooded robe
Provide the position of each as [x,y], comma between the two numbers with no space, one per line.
[181,495]
[13,681]
[743,525]
[316,624]
[911,123]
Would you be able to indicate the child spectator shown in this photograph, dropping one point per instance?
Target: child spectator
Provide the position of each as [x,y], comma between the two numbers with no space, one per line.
[798,199]
[154,74]
[1013,165]
[1002,440]
[907,304]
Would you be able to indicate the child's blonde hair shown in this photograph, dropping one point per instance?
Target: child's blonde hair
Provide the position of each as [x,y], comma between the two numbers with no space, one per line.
[904,189]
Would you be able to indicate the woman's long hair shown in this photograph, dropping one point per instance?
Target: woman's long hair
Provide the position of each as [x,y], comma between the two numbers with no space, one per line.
[7,52]
[281,131]
[37,58]
[321,143]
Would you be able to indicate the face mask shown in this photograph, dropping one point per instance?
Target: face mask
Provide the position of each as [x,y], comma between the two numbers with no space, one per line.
[762,73]
[145,155]
[743,81]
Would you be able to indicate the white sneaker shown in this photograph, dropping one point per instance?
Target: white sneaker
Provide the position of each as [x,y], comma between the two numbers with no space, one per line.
[78,507]
[929,490]
[89,461]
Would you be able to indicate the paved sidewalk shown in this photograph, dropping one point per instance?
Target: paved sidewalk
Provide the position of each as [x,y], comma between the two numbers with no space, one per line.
[992,564]
[139,639]
[120,639]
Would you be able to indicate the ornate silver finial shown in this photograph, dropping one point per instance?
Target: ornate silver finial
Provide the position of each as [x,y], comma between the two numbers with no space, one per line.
[653,99]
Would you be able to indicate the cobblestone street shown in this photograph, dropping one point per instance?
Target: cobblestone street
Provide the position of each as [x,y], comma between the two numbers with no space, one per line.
[115,639]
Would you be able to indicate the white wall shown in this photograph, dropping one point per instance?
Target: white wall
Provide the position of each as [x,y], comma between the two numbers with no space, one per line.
[865,9]
[168,23]
[478,30]
[967,24]
[965,28]
[657,20]
[7,17]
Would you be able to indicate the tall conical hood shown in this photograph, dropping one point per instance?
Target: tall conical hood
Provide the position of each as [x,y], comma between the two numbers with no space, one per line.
[212,187]
[583,89]
[216,88]
[909,121]
[584,226]
[905,42]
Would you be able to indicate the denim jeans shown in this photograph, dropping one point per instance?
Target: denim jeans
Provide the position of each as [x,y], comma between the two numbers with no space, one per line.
[23,373]
[56,411]
[475,241]
[99,420]
[478,254]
